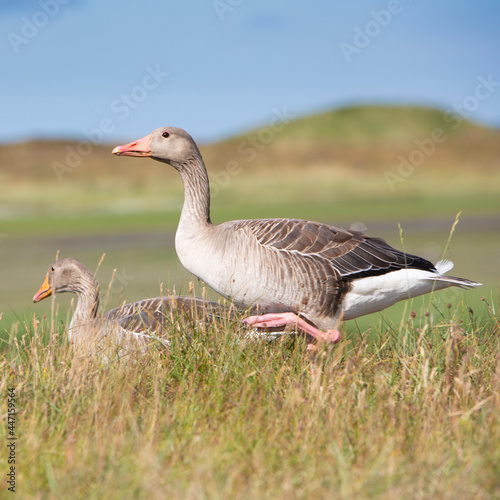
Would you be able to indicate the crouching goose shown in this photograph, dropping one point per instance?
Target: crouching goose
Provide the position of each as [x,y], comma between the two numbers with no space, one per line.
[297,272]
[140,320]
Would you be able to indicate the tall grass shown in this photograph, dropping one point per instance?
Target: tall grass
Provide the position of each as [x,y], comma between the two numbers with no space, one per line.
[409,411]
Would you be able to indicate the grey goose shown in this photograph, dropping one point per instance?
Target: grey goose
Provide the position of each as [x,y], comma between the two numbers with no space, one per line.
[296,272]
[142,320]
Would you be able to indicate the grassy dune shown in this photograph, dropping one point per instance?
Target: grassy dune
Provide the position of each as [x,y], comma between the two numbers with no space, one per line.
[411,412]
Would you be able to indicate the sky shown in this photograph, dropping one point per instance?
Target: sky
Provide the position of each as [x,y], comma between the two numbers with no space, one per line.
[112,71]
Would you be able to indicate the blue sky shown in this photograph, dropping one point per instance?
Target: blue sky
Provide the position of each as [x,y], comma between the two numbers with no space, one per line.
[218,67]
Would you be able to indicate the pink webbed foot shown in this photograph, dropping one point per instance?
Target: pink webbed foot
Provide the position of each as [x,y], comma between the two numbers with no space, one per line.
[273,320]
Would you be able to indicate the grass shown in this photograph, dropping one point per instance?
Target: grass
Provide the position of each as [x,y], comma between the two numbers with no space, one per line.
[409,411]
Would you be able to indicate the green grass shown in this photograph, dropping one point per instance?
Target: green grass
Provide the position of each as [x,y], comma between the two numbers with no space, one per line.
[409,411]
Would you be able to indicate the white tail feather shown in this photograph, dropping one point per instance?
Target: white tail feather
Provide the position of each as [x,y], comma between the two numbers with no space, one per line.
[443,266]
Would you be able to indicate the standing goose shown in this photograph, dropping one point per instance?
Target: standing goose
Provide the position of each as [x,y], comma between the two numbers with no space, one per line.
[142,320]
[297,272]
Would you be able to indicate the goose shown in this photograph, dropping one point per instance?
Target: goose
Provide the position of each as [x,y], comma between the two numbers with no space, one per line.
[296,272]
[140,320]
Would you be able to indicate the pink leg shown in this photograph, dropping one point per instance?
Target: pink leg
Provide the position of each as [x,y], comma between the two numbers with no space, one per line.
[284,319]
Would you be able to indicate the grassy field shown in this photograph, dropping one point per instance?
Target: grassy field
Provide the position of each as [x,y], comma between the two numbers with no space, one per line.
[412,411]
[407,405]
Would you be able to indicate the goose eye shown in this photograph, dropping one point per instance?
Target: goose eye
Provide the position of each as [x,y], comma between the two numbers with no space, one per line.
[165,134]
[52,268]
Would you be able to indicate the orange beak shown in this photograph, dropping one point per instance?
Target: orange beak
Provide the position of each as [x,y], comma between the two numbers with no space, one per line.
[45,291]
[136,148]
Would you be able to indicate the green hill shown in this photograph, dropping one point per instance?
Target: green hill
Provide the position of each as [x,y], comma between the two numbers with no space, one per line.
[365,137]
[373,137]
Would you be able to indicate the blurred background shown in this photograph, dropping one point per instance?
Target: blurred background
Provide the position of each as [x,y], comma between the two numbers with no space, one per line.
[377,115]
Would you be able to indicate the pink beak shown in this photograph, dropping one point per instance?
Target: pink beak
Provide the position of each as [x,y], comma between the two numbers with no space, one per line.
[136,148]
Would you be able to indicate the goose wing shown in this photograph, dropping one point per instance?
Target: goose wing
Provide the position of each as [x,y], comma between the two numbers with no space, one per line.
[350,254]
[153,315]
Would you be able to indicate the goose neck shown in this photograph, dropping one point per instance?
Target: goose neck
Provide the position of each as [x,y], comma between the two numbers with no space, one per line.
[196,208]
[87,291]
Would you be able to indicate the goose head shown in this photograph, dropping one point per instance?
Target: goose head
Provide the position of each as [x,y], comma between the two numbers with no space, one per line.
[171,145]
[64,275]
